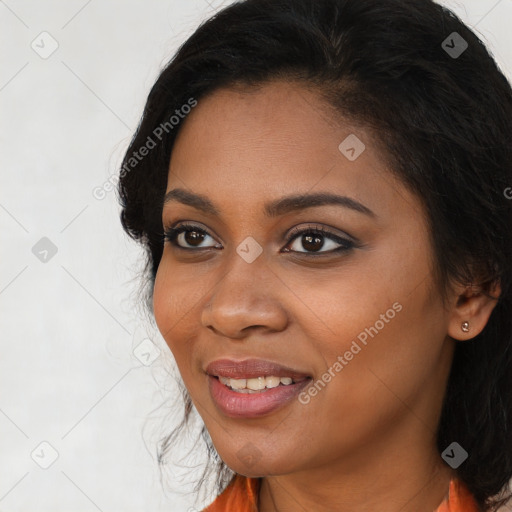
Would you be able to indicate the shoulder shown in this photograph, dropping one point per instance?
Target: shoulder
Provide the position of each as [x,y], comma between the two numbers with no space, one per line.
[241,495]
[459,499]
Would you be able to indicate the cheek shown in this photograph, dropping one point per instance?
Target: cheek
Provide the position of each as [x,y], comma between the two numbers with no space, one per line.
[390,334]
[392,354]
[164,305]
[172,305]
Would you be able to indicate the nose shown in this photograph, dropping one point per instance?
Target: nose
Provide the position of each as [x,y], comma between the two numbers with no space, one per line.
[246,298]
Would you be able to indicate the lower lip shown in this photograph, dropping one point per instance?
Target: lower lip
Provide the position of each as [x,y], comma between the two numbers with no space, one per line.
[252,405]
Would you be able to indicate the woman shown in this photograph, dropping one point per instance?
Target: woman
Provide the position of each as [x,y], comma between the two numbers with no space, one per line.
[323,202]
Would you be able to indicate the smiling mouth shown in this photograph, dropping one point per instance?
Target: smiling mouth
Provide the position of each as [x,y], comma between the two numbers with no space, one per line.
[252,388]
[257,384]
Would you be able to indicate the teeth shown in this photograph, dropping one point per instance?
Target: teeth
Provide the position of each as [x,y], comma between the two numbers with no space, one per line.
[255,384]
[272,382]
[238,383]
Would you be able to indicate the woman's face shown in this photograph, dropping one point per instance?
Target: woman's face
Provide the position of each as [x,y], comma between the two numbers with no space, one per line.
[339,291]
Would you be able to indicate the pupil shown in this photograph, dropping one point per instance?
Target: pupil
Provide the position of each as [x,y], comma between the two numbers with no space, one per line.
[312,242]
[194,237]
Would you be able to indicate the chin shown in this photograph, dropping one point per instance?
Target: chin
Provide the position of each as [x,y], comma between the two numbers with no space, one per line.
[257,461]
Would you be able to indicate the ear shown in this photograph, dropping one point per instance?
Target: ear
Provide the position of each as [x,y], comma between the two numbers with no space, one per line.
[472,304]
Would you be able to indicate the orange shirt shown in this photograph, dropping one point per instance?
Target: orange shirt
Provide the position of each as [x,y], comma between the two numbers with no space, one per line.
[241,495]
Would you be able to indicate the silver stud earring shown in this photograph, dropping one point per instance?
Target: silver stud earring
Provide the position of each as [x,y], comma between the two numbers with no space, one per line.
[465,326]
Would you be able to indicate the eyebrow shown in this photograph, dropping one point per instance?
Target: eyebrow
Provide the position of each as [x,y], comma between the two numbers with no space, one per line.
[273,208]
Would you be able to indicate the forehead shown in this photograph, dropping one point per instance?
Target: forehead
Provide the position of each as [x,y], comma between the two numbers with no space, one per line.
[282,115]
[254,143]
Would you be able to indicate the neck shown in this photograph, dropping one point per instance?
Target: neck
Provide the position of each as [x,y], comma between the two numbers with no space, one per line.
[395,482]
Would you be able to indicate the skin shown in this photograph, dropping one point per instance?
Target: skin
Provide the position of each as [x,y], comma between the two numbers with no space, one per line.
[366,441]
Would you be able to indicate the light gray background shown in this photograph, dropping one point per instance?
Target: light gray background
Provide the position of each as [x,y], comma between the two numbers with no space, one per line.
[69,325]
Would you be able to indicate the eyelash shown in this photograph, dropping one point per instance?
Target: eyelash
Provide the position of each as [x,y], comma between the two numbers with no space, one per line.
[170,234]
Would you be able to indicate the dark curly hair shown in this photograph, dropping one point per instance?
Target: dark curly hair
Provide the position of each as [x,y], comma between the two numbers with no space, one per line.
[444,122]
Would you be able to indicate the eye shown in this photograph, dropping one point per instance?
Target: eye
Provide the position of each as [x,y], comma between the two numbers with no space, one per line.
[315,239]
[188,234]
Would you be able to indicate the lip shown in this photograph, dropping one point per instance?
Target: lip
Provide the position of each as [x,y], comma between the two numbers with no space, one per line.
[252,405]
[251,368]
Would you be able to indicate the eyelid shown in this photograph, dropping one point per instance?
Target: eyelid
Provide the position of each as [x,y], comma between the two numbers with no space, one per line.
[173,226]
[175,229]
[317,227]
[343,239]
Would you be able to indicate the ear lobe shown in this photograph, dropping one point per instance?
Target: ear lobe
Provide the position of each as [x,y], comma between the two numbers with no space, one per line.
[471,312]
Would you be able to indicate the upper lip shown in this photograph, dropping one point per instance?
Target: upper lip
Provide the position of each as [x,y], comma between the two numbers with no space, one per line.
[251,368]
